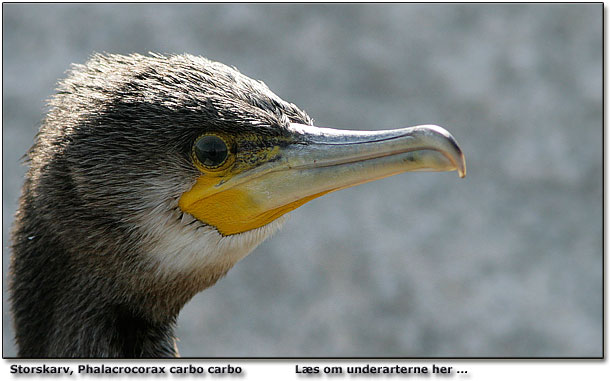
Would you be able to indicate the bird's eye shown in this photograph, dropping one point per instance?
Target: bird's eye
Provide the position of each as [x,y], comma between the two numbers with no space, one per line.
[211,151]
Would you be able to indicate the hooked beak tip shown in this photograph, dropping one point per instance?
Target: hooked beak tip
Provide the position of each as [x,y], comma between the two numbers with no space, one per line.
[461,167]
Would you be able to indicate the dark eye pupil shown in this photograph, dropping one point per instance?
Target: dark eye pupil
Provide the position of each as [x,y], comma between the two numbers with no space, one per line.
[211,151]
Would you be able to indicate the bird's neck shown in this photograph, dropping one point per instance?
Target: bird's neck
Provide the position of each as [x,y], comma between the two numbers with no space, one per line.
[115,332]
[64,306]
[58,315]
[93,291]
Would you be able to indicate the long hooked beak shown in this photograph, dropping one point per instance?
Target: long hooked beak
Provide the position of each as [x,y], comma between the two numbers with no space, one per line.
[420,148]
[321,160]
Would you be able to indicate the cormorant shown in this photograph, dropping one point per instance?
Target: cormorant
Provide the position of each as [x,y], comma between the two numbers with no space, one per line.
[151,177]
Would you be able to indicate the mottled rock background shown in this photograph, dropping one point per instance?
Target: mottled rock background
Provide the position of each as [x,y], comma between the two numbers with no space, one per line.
[506,262]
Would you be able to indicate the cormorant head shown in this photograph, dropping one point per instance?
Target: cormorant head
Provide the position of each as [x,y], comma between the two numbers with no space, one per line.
[186,165]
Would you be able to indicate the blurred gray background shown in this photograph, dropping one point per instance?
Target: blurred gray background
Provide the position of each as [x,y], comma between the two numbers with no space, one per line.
[506,262]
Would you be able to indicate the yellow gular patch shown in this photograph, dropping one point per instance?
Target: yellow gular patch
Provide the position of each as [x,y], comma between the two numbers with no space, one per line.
[234,210]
